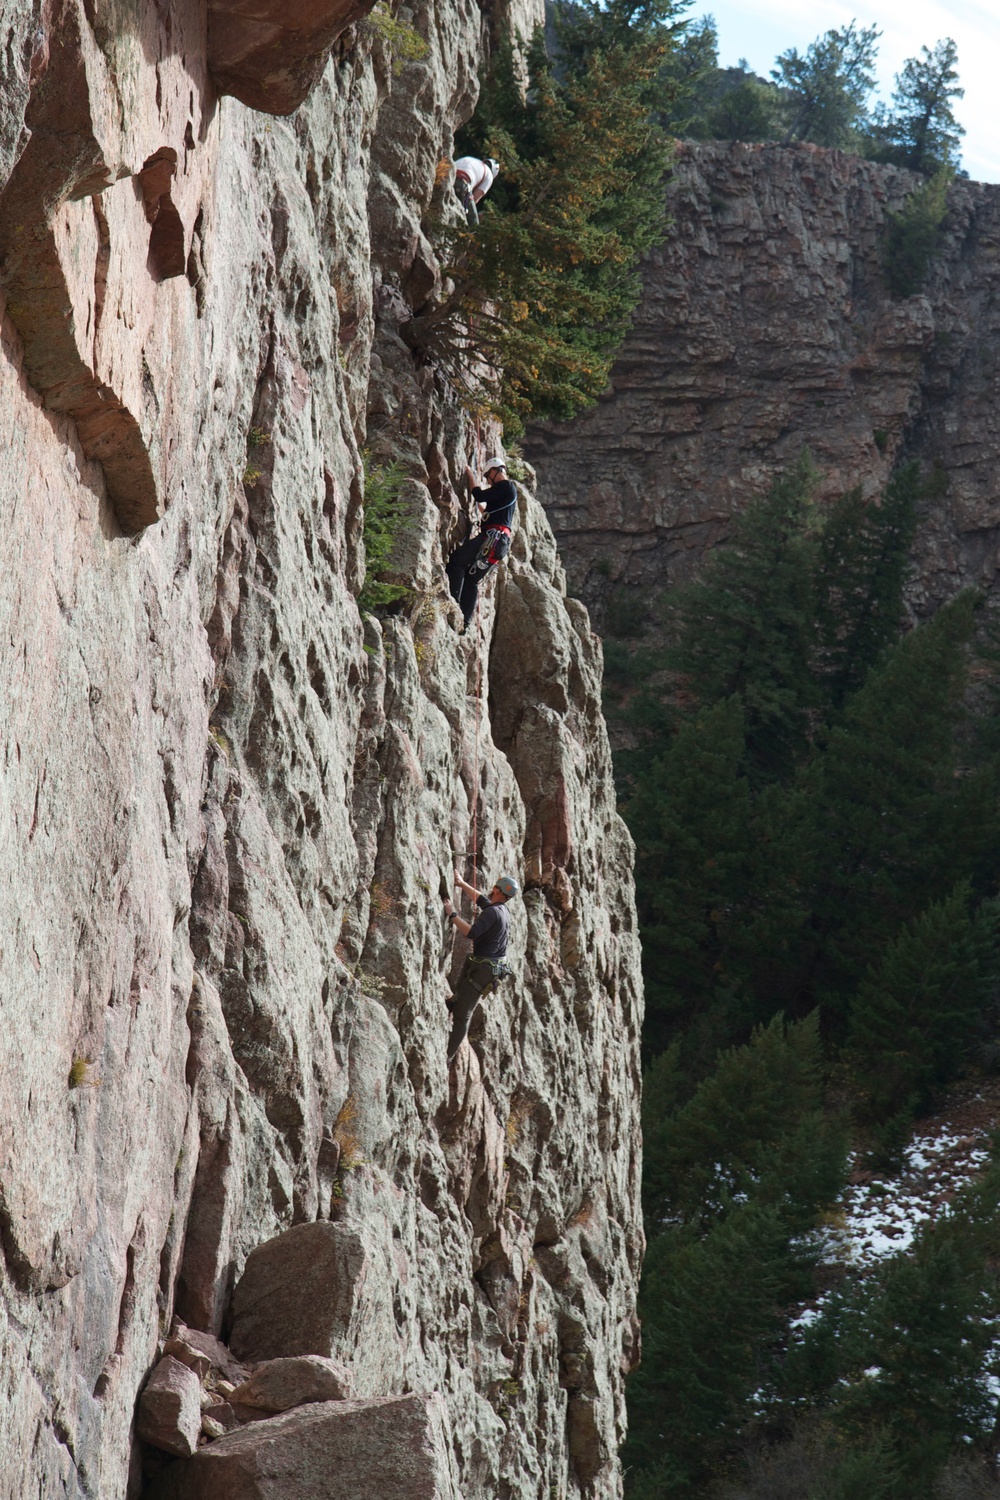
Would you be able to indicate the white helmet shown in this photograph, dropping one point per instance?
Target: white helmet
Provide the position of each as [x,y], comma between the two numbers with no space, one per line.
[494,167]
[495,463]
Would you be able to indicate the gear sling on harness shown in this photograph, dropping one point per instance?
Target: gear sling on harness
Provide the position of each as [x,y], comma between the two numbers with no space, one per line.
[493,548]
[485,974]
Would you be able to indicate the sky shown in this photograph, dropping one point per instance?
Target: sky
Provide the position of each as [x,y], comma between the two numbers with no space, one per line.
[759,29]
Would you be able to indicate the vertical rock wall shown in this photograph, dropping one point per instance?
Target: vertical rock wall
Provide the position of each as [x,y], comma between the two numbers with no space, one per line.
[766,326]
[229,804]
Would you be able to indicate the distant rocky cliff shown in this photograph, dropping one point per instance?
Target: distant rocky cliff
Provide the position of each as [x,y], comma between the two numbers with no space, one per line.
[230,806]
[766,326]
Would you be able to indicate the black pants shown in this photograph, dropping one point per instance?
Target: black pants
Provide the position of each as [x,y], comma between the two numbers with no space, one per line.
[465,590]
[468,993]
[464,194]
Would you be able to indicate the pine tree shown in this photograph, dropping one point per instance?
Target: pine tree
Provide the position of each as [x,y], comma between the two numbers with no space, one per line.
[690,816]
[586,27]
[828,87]
[822,825]
[755,1126]
[684,84]
[711,1307]
[917,1010]
[900,1359]
[736,1171]
[861,569]
[745,628]
[926,1340]
[883,798]
[868,1471]
[919,130]
[745,112]
[542,292]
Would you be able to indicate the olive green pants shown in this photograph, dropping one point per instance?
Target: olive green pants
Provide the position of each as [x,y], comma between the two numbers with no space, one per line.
[476,980]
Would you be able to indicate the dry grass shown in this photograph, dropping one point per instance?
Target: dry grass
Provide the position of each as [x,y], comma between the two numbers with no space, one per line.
[584,1214]
[520,1111]
[382,900]
[351,1150]
[79,1074]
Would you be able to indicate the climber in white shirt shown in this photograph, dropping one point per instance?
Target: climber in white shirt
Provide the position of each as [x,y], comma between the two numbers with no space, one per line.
[473,180]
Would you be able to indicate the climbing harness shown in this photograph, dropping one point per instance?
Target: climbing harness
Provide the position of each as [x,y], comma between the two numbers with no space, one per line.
[486,974]
[493,548]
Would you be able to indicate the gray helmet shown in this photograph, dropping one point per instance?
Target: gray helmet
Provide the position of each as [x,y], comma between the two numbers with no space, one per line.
[507,886]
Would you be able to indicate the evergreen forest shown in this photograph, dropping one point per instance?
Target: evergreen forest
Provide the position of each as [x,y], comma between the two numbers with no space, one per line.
[811,777]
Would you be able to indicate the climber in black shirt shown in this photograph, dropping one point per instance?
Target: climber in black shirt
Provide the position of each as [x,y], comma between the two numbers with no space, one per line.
[484,967]
[470,562]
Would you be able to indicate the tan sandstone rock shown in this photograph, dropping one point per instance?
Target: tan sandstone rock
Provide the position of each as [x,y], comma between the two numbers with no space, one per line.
[270,53]
[170,1408]
[394,1449]
[203,1352]
[231,803]
[297,1292]
[277,1384]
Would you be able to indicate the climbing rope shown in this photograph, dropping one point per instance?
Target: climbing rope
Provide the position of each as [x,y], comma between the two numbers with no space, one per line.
[479,675]
[475,772]
[479,448]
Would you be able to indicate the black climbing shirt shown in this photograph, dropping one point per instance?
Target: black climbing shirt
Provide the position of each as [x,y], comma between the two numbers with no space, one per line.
[500,500]
[491,930]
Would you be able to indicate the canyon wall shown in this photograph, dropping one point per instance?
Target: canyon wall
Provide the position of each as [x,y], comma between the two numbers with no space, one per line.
[231,803]
[765,327]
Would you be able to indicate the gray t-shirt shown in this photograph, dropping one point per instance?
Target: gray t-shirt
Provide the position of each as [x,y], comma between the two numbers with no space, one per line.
[490,931]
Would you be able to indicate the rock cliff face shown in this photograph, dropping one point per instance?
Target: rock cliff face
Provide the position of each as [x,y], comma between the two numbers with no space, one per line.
[766,326]
[230,805]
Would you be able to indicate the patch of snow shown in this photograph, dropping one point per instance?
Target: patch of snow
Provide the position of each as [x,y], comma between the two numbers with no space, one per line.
[881,1217]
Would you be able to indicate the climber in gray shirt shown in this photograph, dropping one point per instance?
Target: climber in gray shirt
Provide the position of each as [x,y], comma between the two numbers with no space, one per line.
[484,968]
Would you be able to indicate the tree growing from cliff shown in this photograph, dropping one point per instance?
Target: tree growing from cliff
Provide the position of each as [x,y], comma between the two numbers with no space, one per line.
[919,130]
[828,86]
[542,292]
[386,513]
[911,235]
